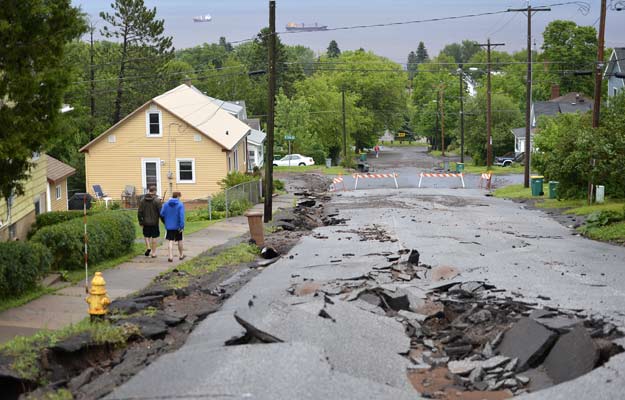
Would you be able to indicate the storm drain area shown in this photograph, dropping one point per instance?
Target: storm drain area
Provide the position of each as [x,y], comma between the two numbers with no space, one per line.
[410,326]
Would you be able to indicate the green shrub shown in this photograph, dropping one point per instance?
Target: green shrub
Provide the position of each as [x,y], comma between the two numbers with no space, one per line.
[278,185]
[599,219]
[111,234]
[21,266]
[202,215]
[319,156]
[236,178]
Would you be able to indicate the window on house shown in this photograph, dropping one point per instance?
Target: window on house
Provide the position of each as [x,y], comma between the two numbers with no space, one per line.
[186,170]
[236,159]
[154,123]
[229,164]
[37,206]
[614,91]
[58,192]
[12,231]
[112,138]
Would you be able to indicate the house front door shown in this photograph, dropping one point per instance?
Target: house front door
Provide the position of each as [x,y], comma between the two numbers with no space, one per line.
[151,174]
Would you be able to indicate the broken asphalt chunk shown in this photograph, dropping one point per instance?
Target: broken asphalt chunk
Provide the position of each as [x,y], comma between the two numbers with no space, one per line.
[573,355]
[528,341]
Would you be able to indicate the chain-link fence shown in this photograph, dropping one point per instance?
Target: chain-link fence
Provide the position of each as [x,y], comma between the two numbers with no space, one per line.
[235,200]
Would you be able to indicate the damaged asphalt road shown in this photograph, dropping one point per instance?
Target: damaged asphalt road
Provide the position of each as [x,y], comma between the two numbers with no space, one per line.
[495,300]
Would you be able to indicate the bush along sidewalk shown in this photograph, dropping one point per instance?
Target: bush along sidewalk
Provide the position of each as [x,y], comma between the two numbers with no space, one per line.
[22,264]
[110,235]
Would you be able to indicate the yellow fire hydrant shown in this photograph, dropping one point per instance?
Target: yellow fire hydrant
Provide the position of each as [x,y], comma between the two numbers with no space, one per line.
[98,300]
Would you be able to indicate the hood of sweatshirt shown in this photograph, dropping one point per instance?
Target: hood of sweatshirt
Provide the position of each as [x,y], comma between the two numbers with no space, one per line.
[173,202]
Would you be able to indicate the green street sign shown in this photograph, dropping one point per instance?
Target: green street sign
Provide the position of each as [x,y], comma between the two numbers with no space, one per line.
[289,137]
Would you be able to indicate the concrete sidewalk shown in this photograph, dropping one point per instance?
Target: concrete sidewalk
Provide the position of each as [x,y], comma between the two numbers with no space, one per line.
[67,306]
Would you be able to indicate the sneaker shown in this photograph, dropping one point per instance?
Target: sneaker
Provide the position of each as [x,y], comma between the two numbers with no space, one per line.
[182,258]
[147,252]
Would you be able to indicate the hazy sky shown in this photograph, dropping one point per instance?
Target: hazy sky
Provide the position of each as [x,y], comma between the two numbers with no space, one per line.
[242,19]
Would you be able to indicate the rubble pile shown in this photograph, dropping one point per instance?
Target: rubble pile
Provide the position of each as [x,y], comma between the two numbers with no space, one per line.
[468,336]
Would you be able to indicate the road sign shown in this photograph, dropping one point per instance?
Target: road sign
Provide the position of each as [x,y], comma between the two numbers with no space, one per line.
[289,137]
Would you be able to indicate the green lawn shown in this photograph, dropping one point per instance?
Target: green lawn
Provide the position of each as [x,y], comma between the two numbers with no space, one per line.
[438,153]
[403,144]
[580,207]
[201,265]
[336,170]
[518,192]
[614,232]
[495,170]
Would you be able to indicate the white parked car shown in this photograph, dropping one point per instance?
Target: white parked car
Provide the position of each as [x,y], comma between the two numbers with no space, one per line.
[291,160]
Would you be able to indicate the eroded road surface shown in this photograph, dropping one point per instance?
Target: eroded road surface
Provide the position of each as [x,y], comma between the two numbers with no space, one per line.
[417,293]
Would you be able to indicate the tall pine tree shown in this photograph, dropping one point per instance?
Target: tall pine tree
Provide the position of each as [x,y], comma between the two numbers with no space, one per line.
[142,43]
[412,65]
[422,54]
[333,49]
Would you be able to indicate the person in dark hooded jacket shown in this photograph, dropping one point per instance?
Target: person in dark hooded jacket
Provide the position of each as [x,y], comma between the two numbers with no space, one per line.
[172,214]
[148,214]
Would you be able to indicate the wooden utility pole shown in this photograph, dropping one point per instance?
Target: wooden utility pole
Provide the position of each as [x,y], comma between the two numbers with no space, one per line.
[441,104]
[596,110]
[529,11]
[268,210]
[460,75]
[344,129]
[92,81]
[489,119]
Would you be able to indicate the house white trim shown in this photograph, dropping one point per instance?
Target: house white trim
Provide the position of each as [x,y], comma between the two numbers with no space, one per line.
[185,181]
[159,186]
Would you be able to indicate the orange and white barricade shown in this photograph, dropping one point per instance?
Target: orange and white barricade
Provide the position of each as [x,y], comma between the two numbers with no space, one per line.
[335,182]
[375,176]
[439,175]
[485,179]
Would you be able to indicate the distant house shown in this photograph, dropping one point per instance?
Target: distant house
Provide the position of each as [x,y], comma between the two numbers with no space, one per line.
[178,141]
[255,144]
[256,137]
[615,64]
[56,188]
[45,190]
[567,104]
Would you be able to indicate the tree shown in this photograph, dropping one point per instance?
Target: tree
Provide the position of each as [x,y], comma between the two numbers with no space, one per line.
[461,52]
[573,153]
[570,47]
[141,39]
[505,116]
[333,50]
[225,44]
[422,54]
[412,65]
[33,78]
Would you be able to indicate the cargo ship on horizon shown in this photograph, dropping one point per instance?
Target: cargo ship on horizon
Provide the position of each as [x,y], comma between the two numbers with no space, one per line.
[293,27]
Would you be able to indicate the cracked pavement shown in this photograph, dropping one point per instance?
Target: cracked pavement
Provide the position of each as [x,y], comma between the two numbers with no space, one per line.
[310,346]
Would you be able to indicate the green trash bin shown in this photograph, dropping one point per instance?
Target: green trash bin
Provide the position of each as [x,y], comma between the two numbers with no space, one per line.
[460,167]
[553,189]
[536,183]
[363,157]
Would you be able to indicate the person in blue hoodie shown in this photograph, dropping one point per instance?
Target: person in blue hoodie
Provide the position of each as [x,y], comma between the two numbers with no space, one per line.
[172,214]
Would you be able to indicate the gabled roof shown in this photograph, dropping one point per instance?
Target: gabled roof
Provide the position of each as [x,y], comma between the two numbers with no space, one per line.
[256,137]
[616,62]
[233,107]
[520,132]
[198,111]
[253,123]
[57,170]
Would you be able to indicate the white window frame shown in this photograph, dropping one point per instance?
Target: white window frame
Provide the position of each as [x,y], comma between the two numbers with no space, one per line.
[229,164]
[236,158]
[178,160]
[147,123]
[159,185]
[58,192]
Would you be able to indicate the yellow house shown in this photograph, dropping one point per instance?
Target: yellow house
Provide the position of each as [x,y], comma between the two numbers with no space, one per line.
[179,141]
[56,191]
[45,190]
